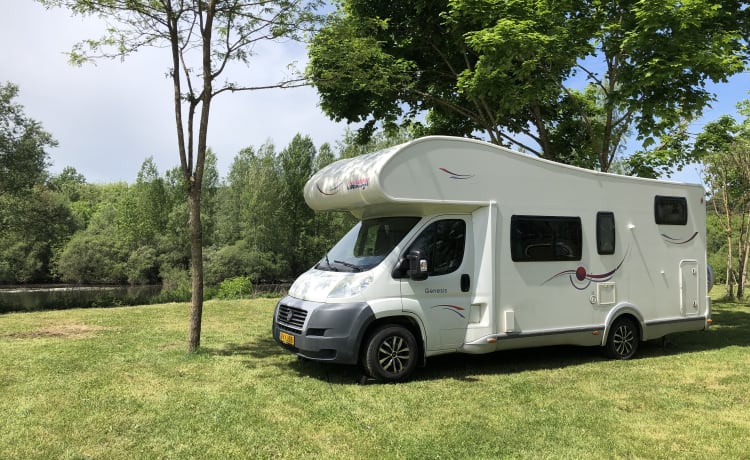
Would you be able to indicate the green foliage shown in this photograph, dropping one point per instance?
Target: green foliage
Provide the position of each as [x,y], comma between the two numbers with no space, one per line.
[34,219]
[209,198]
[34,226]
[173,243]
[243,259]
[68,182]
[141,217]
[128,232]
[347,53]
[264,228]
[96,254]
[249,206]
[568,81]
[295,217]
[176,284]
[141,266]
[23,158]
[672,154]
[235,288]
[20,263]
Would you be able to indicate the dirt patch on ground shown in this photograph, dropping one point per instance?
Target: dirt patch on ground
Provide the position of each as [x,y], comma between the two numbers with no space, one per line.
[67,331]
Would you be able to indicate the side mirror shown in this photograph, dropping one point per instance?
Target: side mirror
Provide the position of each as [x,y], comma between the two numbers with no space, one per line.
[399,271]
[417,266]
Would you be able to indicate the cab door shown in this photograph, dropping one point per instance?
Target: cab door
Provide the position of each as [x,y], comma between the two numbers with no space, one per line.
[443,299]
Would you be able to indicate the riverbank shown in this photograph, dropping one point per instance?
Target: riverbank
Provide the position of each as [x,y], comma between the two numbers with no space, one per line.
[62,297]
[65,296]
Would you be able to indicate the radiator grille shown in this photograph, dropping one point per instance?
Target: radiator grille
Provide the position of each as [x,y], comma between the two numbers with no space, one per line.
[290,318]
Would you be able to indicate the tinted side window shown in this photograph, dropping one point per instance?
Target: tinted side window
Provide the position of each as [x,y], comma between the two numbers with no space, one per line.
[442,244]
[605,233]
[670,210]
[542,238]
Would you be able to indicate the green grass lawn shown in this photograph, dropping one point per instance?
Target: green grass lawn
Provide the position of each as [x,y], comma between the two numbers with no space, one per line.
[117,383]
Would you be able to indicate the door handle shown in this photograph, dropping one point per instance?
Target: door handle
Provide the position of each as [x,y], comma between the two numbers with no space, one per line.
[465,283]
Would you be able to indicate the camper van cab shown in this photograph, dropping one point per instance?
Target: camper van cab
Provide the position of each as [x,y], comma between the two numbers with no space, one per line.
[463,246]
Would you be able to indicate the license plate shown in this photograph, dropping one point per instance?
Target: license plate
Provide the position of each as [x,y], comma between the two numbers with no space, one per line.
[286,338]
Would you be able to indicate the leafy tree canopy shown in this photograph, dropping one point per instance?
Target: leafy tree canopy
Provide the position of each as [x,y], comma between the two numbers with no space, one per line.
[23,158]
[566,80]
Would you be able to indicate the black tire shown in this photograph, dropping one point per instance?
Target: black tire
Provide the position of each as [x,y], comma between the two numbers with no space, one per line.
[623,339]
[390,354]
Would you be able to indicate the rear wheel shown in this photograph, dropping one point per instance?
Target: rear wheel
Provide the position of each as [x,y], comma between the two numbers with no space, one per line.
[623,339]
[391,354]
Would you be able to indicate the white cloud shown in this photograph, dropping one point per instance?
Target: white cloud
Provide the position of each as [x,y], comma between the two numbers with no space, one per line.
[110,116]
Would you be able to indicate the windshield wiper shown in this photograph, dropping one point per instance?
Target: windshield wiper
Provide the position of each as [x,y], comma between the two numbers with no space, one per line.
[331,267]
[348,265]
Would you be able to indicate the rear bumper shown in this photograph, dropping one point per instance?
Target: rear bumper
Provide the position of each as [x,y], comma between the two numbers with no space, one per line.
[321,331]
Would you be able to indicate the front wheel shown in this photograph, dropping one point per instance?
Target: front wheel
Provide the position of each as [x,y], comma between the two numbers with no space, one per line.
[623,339]
[391,354]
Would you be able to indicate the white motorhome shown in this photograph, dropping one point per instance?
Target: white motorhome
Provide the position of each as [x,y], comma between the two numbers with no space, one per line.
[464,246]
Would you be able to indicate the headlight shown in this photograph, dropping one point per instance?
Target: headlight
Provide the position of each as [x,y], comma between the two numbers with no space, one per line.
[349,287]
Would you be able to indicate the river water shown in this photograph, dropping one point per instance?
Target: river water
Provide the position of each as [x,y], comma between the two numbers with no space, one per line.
[59,297]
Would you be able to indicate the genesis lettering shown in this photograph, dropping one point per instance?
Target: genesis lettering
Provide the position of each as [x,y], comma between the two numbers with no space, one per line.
[357,184]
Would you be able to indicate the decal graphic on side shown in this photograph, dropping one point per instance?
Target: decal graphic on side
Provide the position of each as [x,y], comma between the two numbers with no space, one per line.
[331,191]
[677,240]
[453,175]
[353,184]
[360,183]
[454,308]
[581,279]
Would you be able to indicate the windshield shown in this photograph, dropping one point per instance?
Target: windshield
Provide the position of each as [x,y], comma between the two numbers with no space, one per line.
[367,244]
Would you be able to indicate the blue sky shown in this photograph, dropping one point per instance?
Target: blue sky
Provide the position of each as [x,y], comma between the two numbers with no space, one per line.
[727,96]
[109,117]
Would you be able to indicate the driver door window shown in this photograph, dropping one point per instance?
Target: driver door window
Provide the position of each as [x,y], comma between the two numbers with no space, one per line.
[442,244]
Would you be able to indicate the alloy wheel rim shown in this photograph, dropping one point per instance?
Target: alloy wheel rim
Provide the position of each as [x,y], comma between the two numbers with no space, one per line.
[623,340]
[393,354]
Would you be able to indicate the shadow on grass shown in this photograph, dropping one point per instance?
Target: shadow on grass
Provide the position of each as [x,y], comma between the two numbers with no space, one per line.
[731,328]
[336,374]
[266,348]
[261,348]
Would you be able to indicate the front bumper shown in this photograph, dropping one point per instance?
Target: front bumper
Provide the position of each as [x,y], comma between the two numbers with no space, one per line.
[321,331]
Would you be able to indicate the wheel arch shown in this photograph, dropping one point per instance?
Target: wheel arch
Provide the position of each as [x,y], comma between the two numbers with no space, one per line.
[623,310]
[409,322]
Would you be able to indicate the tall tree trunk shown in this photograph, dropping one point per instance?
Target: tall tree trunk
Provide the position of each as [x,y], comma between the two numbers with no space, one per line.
[195,185]
[196,264]
[743,245]
[728,229]
[743,272]
[730,273]
[744,268]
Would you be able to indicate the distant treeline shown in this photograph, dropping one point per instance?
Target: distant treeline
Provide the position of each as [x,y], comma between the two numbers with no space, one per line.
[255,220]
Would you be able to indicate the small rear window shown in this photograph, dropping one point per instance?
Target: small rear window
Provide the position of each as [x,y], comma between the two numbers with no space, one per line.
[670,210]
[605,233]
